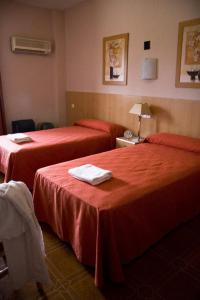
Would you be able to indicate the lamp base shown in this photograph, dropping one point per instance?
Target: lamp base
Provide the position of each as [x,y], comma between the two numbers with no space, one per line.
[139,139]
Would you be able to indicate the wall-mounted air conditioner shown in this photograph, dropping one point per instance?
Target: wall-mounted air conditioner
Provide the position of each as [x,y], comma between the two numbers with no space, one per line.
[21,44]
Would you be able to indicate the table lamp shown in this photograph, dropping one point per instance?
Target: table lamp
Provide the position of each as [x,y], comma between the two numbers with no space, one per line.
[143,111]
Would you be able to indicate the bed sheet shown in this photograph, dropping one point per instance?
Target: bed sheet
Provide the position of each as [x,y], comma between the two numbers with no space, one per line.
[154,188]
[20,161]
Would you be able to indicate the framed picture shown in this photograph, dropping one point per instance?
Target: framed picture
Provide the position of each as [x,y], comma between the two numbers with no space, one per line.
[115,59]
[188,55]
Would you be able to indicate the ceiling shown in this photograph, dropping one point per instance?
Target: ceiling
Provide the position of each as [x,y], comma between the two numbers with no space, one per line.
[52,4]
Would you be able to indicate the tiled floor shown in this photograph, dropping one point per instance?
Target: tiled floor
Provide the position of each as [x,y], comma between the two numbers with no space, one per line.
[170,270]
[69,279]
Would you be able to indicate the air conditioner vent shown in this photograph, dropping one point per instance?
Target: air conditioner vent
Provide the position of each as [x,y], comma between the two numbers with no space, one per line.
[29,45]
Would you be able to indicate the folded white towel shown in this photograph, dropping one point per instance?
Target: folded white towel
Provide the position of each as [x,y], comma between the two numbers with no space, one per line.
[19,138]
[90,174]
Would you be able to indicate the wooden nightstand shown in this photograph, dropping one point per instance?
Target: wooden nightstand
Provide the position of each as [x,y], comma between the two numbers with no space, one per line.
[123,142]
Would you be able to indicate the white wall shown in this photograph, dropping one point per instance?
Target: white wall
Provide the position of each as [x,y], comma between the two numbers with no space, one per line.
[154,20]
[33,85]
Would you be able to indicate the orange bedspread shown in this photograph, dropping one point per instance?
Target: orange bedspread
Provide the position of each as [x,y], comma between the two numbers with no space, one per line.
[154,188]
[20,161]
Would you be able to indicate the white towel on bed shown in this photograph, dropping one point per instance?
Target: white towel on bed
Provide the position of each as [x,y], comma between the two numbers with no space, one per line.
[19,138]
[90,174]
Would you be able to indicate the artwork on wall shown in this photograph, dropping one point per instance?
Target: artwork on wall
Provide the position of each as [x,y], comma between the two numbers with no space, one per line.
[188,54]
[115,59]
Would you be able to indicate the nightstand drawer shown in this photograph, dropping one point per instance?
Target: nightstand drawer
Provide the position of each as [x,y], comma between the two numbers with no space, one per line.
[120,144]
[123,142]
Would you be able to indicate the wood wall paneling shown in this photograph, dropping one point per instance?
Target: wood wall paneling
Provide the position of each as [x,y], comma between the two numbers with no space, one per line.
[169,115]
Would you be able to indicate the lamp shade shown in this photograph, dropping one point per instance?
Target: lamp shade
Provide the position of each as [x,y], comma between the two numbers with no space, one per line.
[141,109]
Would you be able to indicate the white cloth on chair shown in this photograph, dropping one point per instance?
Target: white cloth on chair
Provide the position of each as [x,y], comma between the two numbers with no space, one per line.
[21,235]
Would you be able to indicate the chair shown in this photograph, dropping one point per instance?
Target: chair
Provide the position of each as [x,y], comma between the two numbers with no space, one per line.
[21,241]
[4,271]
[3,266]
[45,125]
[23,125]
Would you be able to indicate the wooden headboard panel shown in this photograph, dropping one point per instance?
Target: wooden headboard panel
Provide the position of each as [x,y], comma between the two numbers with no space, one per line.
[169,115]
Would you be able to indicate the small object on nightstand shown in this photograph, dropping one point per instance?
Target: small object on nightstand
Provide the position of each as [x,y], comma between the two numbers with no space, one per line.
[124,142]
[128,134]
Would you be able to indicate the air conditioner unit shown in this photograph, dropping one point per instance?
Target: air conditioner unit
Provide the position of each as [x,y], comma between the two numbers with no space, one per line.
[21,44]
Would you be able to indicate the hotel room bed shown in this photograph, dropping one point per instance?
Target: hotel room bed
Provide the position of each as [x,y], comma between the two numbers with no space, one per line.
[89,136]
[155,187]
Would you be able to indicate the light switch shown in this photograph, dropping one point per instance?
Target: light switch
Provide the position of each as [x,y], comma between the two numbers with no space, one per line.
[147,45]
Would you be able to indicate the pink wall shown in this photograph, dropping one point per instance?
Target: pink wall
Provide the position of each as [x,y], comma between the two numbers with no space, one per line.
[33,85]
[155,20]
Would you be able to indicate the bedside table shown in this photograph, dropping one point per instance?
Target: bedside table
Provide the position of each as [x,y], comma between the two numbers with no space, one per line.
[123,142]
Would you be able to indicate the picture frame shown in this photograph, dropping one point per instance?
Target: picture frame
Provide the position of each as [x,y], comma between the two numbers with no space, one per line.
[115,59]
[188,54]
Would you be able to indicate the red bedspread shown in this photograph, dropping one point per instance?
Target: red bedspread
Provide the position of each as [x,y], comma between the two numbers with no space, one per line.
[154,188]
[20,161]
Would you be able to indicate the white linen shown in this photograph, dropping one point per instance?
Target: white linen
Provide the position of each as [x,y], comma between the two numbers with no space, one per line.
[19,138]
[21,235]
[90,173]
